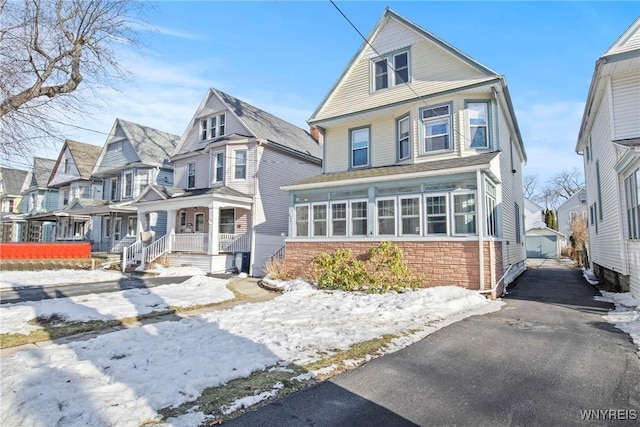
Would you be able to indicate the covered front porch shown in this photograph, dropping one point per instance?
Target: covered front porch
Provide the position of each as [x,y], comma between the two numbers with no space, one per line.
[210,225]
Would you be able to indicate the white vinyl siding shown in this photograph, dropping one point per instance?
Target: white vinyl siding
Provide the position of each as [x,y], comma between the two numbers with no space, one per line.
[626,105]
[433,70]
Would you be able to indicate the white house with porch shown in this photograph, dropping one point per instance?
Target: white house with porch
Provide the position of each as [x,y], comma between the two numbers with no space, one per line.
[226,211]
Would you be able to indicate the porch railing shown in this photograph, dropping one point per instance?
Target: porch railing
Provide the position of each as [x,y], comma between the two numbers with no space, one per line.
[190,242]
[130,254]
[154,250]
[121,244]
[234,242]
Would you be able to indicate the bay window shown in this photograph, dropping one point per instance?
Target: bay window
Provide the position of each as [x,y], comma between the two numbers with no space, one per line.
[240,164]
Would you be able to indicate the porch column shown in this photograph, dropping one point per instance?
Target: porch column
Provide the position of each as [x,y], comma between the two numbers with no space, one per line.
[171,227]
[214,220]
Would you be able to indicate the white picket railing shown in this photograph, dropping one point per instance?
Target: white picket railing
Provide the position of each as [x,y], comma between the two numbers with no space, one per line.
[130,254]
[234,242]
[154,250]
[190,242]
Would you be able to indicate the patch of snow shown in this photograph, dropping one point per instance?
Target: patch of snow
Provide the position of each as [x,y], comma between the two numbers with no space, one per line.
[248,401]
[177,271]
[626,315]
[589,276]
[43,278]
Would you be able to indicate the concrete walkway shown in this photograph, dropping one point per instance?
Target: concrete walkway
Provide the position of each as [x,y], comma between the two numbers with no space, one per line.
[246,289]
[546,359]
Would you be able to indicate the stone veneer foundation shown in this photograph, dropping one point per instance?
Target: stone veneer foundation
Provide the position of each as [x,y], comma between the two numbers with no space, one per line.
[440,262]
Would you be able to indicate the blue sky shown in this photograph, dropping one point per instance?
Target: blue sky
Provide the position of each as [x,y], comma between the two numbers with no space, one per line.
[285,56]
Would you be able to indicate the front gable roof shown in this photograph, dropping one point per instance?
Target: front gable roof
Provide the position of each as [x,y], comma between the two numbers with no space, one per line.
[39,173]
[622,56]
[258,124]
[432,68]
[12,180]
[84,157]
[150,146]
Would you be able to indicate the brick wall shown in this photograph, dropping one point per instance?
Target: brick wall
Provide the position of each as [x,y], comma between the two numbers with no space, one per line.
[441,263]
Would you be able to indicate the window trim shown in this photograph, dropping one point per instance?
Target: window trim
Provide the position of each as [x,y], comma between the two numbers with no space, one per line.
[312,219]
[216,165]
[127,194]
[235,164]
[351,149]
[454,214]
[395,216]
[296,221]
[390,60]
[447,219]
[189,175]
[351,217]
[232,222]
[113,189]
[212,126]
[423,134]
[345,203]
[401,217]
[488,134]
[197,215]
[399,157]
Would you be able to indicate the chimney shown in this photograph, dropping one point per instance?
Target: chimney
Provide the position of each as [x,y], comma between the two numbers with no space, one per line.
[315,133]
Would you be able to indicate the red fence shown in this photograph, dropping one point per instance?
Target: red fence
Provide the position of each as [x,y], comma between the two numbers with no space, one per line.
[45,250]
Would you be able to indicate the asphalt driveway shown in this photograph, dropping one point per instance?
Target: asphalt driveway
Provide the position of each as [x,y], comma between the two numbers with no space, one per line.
[546,359]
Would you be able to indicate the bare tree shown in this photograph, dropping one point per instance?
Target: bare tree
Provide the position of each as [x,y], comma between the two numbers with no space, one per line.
[54,57]
[560,187]
[529,186]
[579,239]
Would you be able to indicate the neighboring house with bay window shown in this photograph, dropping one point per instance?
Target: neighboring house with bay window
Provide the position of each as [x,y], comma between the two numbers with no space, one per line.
[133,157]
[421,147]
[609,141]
[225,210]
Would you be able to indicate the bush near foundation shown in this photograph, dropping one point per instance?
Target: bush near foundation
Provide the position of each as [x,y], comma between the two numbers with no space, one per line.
[383,270]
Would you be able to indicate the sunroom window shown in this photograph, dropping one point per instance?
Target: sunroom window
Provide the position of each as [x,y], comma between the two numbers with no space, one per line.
[387,217]
[302,221]
[410,216]
[436,214]
[464,213]
[359,218]
[339,219]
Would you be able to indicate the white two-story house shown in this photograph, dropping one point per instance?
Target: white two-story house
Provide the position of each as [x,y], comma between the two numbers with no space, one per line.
[609,141]
[422,148]
[133,157]
[226,211]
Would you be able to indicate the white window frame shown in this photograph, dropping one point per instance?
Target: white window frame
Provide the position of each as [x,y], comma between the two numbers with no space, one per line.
[344,203]
[182,220]
[312,219]
[236,164]
[379,217]
[232,223]
[455,214]
[352,148]
[132,225]
[218,162]
[486,125]
[127,188]
[438,118]
[632,204]
[391,70]
[190,174]
[447,219]
[203,129]
[400,138]
[113,189]
[350,204]
[197,228]
[296,221]
[401,216]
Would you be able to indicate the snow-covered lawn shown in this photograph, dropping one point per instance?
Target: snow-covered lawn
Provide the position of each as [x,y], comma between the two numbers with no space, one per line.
[196,291]
[24,279]
[124,378]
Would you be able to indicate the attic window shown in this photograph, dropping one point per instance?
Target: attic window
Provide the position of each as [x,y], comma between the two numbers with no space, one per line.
[213,127]
[391,70]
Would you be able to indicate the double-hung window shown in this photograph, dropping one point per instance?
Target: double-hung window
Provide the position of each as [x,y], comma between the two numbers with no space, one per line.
[403,126]
[632,193]
[464,213]
[359,154]
[128,184]
[478,123]
[339,219]
[386,217]
[226,223]
[218,167]
[191,175]
[436,123]
[436,207]
[391,70]
[490,207]
[319,220]
[132,225]
[199,220]
[212,127]
[359,218]
[203,130]
[240,164]
[302,221]
[410,216]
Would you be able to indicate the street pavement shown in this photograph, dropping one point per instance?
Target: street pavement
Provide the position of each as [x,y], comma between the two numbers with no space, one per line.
[545,357]
[37,293]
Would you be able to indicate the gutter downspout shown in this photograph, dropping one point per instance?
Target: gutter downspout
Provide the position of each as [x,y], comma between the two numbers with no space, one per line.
[479,215]
[252,246]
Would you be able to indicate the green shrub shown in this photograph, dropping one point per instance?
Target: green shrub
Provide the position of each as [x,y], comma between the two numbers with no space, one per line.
[383,271]
[340,270]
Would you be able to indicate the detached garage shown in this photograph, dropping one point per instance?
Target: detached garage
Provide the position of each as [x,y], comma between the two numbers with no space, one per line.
[543,243]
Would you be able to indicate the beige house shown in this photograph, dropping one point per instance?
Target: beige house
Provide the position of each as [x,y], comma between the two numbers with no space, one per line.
[422,148]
